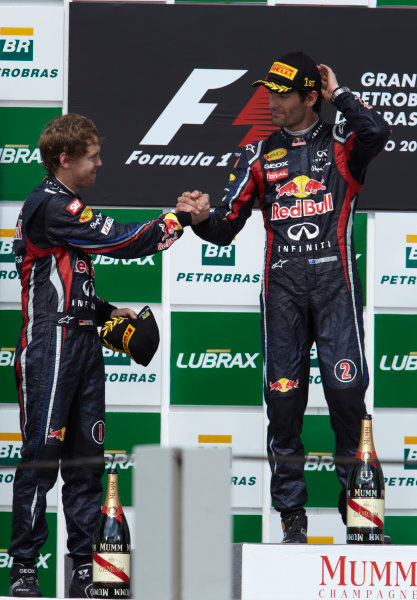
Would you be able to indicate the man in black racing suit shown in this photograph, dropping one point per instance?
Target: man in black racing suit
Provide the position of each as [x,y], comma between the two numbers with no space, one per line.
[59,361]
[306,176]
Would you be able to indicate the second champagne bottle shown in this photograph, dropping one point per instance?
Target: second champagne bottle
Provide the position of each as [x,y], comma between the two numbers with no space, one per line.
[365,492]
[111,546]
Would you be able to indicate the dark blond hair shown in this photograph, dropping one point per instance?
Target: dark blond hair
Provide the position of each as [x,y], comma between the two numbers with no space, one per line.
[68,133]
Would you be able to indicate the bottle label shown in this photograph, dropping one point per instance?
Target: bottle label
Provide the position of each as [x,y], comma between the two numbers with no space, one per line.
[113,511]
[367,512]
[111,567]
[366,456]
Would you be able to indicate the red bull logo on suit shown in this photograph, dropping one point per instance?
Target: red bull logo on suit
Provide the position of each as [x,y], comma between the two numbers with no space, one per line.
[301,187]
[283,385]
[306,208]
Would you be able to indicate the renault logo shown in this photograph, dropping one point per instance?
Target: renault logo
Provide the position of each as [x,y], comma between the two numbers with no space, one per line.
[309,230]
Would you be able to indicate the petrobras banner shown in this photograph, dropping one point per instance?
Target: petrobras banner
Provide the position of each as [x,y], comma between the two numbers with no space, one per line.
[396,259]
[31,52]
[203,273]
[242,432]
[124,430]
[383,572]
[395,437]
[9,279]
[216,358]
[45,562]
[395,366]
[21,166]
[129,279]
[10,445]
[10,324]
[186,131]
[127,382]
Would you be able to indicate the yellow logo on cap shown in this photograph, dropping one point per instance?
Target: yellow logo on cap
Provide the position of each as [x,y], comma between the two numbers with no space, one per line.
[275,154]
[283,70]
[129,331]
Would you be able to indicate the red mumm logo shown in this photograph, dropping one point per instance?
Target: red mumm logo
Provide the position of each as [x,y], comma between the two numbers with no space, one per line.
[257,114]
[367,572]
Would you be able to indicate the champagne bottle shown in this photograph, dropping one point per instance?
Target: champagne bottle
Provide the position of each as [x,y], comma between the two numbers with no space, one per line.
[365,492]
[111,546]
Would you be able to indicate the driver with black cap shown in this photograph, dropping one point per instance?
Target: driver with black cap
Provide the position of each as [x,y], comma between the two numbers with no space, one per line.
[306,177]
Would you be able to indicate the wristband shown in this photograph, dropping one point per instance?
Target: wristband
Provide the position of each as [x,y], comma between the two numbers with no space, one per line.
[337,92]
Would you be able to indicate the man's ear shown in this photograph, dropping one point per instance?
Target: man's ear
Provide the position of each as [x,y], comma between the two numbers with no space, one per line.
[65,161]
[311,98]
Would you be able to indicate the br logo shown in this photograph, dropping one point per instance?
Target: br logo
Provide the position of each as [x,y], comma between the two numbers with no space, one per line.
[13,47]
[410,452]
[218,255]
[411,252]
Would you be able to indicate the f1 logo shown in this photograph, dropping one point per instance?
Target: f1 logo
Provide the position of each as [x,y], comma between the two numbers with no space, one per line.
[185,107]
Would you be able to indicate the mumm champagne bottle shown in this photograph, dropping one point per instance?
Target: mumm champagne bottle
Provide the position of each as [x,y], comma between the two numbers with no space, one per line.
[111,546]
[365,493]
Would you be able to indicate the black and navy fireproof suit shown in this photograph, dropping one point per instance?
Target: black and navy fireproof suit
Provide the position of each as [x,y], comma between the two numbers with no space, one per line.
[59,361]
[307,189]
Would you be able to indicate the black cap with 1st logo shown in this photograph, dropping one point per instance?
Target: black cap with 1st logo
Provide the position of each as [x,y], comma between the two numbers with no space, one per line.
[139,338]
[293,71]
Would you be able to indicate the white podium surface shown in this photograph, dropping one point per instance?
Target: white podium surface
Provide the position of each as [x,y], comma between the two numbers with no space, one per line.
[316,572]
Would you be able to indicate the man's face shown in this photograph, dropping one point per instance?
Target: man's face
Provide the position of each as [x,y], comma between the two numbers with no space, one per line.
[83,169]
[288,110]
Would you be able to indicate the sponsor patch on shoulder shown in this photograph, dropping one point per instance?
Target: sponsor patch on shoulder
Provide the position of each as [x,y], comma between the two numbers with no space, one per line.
[74,206]
[86,215]
[107,225]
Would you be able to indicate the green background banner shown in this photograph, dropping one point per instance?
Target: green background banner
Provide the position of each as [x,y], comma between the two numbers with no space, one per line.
[20,162]
[216,358]
[395,361]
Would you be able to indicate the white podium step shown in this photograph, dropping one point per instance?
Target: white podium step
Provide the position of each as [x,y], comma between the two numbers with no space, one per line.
[324,572]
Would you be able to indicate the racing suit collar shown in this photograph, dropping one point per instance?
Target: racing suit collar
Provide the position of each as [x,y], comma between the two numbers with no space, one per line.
[53,180]
[307,136]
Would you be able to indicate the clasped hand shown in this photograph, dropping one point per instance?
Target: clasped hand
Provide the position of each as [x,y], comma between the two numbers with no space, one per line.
[196,203]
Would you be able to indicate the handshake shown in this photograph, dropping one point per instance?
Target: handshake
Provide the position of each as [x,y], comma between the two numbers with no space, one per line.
[196,203]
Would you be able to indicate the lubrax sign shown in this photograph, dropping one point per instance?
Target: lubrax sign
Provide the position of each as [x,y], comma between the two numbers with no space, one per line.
[216,358]
[187,124]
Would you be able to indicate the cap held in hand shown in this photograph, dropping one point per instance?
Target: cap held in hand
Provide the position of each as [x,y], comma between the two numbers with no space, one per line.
[139,338]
